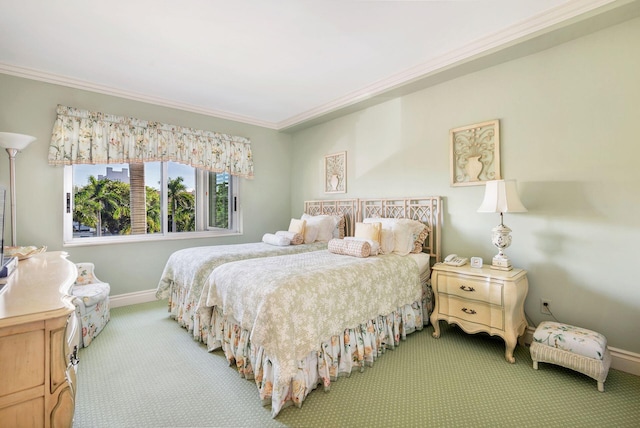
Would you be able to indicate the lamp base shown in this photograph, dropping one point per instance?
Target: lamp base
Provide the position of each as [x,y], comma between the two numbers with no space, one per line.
[501,262]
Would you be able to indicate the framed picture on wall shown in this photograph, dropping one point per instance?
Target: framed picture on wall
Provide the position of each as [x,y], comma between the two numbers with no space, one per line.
[475,153]
[335,173]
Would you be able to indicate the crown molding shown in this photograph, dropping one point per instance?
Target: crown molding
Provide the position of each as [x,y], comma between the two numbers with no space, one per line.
[558,16]
[515,33]
[41,76]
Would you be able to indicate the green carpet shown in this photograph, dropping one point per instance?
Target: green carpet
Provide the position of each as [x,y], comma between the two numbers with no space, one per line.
[144,370]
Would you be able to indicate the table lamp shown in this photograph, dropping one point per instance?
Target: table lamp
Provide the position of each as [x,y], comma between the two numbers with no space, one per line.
[501,196]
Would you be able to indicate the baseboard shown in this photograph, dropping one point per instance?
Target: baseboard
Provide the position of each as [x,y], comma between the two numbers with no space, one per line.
[132,298]
[625,361]
[622,360]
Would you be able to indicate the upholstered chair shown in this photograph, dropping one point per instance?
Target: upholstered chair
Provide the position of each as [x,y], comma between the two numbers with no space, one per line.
[91,297]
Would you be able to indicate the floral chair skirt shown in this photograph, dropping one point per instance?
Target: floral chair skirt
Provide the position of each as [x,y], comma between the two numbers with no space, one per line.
[93,321]
[91,298]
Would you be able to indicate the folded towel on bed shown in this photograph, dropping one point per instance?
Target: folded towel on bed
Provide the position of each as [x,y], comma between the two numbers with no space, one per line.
[270,238]
[350,248]
[295,238]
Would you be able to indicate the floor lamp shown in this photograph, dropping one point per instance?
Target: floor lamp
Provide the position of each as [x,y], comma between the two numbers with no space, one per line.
[14,143]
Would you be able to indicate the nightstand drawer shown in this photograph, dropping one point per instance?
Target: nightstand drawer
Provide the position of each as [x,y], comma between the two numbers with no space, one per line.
[478,289]
[476,312]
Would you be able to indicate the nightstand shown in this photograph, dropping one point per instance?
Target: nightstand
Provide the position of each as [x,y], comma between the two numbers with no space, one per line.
[481,300]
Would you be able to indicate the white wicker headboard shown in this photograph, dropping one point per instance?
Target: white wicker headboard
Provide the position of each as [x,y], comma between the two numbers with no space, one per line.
[348,207]
[426,209]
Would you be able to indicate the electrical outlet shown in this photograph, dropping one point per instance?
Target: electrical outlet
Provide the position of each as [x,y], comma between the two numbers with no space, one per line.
[545,306]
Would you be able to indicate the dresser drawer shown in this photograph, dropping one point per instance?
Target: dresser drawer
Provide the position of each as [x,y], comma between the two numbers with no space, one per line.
[475,312]
[472,288]
[22,359]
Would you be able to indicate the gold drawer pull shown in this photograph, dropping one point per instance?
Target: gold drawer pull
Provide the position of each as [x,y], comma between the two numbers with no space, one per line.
[465,288]
[469,311]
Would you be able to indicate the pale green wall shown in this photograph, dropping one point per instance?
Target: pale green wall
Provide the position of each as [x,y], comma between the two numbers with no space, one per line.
[28,107]
[570,121]
[569,136]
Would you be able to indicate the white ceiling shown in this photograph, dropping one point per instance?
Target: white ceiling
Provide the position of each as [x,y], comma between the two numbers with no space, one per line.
[273,63]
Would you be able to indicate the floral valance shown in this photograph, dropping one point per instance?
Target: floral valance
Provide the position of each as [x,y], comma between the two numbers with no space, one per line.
[85,137]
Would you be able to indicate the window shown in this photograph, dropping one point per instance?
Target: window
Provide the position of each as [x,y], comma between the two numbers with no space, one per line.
[139,198]
[143,201]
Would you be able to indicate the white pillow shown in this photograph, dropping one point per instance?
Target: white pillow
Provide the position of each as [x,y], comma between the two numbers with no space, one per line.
[323,223]
[338,222]
[415,225]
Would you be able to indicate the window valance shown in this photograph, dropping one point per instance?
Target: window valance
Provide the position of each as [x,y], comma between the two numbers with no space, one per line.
[85,137]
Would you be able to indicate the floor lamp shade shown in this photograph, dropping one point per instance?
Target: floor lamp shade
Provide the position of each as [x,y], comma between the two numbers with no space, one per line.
[9,140]
[14,143]
[501,196]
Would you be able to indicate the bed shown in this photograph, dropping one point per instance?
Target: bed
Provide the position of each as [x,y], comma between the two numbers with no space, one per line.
[186,270]
[294,322]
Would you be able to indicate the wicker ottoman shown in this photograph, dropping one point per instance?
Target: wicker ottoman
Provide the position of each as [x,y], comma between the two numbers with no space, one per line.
[575,348]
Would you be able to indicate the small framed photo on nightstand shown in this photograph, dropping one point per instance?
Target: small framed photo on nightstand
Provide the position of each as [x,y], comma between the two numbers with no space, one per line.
[476,262]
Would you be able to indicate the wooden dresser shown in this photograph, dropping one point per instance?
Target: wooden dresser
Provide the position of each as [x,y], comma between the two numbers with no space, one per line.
[481,300]
[38,333]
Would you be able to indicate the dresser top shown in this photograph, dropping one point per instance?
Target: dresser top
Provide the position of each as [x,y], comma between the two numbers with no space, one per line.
[38,290]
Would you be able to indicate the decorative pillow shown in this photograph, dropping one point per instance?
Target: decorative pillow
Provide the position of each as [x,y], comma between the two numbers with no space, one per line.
[401,236]
[418,242]
[405,233]
[419,231]
[341,226]
[297,226]
[387,241]
[328,226]
[310,233]
[403,239]
[295,238]
[368,231]
[375,246]
[270,238]
[358,248]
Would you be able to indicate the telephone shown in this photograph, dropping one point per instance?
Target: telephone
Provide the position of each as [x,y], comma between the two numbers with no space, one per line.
[454,260]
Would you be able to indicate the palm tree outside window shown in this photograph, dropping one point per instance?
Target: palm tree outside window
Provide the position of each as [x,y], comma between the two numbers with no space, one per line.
[121,200]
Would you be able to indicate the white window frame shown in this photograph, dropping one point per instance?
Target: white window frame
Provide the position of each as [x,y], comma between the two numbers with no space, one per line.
[235,214]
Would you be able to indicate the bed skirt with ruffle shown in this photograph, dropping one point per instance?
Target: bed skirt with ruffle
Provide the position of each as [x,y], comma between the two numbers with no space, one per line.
[354,349]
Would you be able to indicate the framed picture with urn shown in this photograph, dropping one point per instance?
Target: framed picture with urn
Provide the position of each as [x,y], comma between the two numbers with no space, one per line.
[335,173]
[475,153]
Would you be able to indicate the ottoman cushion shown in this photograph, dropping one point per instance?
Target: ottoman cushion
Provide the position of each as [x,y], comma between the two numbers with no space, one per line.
[572,339]
[91,294]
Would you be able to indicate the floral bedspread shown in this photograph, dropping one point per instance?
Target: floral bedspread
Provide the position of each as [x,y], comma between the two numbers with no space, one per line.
[186,271]
[291,304]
